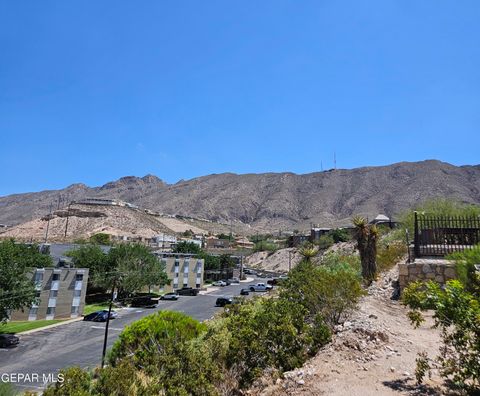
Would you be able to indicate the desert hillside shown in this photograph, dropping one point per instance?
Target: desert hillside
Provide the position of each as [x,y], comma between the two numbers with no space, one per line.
[271,200]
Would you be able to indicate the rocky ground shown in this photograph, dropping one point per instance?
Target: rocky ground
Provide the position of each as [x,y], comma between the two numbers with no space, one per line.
[373,353]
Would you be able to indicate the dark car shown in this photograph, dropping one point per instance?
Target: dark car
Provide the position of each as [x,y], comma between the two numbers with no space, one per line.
[144,302]
[222,301]
[169,296]
[244,292]
[187,291]
[8,340]
[98,316]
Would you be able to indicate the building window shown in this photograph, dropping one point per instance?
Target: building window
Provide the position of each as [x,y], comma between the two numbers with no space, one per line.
[197,285]
[185,284]
[75,310]
[53,293]
[33,311]
[51,311]
[38,277]
[55,277]
[37,294]
[78,277]
[77,293]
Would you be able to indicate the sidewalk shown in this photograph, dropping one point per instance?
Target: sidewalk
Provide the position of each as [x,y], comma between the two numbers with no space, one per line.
[65,322]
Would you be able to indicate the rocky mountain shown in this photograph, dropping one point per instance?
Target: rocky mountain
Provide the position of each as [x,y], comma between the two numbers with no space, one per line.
[271,200]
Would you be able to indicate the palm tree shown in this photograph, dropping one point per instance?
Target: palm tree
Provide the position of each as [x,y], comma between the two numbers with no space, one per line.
[366,236]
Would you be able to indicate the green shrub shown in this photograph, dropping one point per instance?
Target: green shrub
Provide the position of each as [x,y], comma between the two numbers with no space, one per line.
[267,333]
[389,254]
[146,336]
[340,235]
[6,389]
[76,382]
[265,246]
[465,268]
[457,314]
[332,291]
[325,241]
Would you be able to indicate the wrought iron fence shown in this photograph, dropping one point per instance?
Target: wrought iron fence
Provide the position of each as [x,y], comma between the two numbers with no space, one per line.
[441,235]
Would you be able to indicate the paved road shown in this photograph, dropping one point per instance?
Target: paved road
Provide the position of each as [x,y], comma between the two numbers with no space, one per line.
[80,343]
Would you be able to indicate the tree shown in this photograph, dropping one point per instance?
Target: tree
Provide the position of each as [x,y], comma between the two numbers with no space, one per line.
[130,266]
[187,247]
[133,267]
[366,236]
[17,289]
[93,258]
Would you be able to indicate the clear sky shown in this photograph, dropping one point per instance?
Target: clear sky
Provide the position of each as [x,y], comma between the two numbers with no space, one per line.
[94,90]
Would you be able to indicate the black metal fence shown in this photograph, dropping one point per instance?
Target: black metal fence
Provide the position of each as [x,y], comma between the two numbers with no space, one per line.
[441,235]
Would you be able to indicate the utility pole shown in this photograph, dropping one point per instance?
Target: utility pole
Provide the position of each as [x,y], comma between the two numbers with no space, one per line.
[334,160]
[48,223]
[68,215]
[106,325]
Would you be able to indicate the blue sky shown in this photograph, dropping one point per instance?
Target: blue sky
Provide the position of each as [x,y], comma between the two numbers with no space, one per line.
[91,91]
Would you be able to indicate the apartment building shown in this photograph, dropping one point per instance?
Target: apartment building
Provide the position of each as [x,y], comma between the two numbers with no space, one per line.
[183,270]
[60,294]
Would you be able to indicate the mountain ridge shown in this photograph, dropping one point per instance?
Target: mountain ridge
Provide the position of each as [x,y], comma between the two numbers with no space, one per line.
[271,200]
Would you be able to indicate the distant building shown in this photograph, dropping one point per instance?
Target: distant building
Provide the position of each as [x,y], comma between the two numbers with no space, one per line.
[317,232]
[217,243]
[244,243]
[297,240]
[60,291]
[382,219]
[183,270]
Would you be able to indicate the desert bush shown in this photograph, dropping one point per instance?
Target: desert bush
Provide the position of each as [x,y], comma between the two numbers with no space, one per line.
[325,241]
[389,254]
[76,382]
[465,268]
[265,246]
[340,235]
[457,314]
[268,333]
[333,259]
[332,291]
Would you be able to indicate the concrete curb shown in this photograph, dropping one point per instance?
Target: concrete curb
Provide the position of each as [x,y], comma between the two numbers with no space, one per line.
[247,280]
[65,322]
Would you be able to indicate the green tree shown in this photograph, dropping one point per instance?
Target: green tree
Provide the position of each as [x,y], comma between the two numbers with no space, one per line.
[340,235]
[132,267]
[93,258]
[100,239]
[366,237]
[17,290]
[187,247]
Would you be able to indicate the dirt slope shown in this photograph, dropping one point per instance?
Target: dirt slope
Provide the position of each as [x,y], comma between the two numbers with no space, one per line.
[372,354]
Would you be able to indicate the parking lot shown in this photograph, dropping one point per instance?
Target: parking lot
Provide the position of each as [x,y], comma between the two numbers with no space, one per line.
[80,343]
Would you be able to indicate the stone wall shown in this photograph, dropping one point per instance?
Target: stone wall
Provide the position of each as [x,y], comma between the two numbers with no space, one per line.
[438,270]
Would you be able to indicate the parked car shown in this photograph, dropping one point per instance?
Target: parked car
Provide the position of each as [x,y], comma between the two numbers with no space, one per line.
[222,301]
[8,340]
[100,316]
[260,287]
[187,291]
[144,302]
[244,292]
[219,283]
[169,296]
[234,281]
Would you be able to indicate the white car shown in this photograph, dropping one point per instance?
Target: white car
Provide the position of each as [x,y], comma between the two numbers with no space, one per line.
[259,287]
[219,283]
